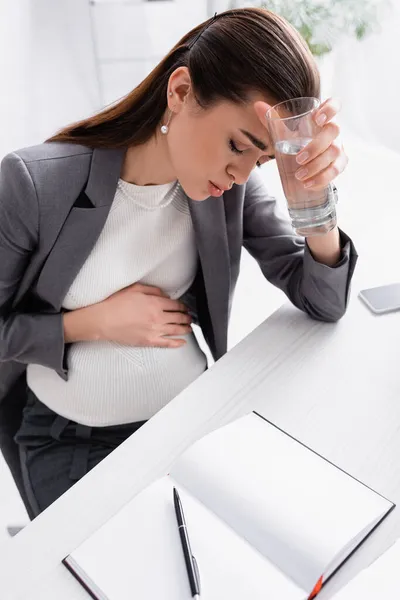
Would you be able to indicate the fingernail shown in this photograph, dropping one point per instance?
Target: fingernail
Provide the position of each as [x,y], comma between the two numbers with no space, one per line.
[309,184]
[302,157]
[301,173]
[321,120]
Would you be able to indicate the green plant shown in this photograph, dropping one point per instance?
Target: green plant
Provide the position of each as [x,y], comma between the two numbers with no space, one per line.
[323,22]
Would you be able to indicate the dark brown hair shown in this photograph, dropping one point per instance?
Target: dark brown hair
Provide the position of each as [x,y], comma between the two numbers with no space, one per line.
[241,51]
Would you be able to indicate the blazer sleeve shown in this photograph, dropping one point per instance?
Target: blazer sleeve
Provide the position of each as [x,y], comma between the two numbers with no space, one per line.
[286,261]
[24,337]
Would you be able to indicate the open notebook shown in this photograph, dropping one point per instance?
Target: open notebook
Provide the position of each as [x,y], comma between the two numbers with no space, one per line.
[267,518]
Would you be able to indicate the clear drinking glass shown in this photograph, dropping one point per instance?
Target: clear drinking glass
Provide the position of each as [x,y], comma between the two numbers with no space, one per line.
[292,127]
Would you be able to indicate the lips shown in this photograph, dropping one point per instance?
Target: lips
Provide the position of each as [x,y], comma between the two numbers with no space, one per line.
[216,190]
[220,187]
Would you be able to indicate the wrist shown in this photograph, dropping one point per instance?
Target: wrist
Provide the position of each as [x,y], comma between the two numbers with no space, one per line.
[82,325]
[326,249]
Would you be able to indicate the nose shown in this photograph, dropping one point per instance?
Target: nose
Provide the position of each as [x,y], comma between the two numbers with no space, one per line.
[240,174]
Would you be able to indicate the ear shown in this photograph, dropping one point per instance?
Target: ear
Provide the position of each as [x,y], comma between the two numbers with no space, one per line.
[179,89]
[261,109]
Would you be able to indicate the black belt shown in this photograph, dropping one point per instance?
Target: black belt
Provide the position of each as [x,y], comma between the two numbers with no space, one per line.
[80,458]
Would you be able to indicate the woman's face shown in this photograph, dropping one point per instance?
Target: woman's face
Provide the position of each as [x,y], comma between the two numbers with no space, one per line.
[211,149]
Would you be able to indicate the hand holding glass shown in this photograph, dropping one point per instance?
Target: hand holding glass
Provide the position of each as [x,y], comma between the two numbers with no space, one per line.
[292,127]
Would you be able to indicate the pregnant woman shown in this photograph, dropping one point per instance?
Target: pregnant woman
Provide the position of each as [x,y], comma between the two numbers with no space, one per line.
[124,229]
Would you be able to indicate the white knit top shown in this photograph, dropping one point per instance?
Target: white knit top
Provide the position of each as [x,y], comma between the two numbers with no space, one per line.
[148,238]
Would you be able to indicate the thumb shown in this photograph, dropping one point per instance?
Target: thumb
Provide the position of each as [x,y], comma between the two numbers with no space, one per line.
[149,290]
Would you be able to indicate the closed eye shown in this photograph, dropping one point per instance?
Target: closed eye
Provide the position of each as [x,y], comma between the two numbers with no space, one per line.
[234,148]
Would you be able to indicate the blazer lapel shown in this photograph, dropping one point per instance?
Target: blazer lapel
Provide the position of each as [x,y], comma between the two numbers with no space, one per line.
[81,228]
[209,222]
[85,221]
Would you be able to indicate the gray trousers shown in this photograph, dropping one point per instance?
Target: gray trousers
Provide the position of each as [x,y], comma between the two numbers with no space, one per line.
[56,452]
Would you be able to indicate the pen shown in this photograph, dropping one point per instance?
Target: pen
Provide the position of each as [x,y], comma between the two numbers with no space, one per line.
[190,561]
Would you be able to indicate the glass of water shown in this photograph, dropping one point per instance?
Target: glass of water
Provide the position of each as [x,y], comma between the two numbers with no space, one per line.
[292,127]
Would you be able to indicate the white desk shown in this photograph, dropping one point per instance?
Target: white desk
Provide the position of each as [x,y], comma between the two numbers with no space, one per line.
[334,386]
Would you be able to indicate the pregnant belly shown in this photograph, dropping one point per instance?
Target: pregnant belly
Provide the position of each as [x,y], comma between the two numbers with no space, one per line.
[168,364]
[111,383]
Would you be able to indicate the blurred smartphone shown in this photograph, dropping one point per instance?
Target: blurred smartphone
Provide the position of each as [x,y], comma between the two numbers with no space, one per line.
[382,299]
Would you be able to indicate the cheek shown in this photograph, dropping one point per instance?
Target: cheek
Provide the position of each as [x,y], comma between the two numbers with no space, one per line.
[182,147]
[209,148]
[194,147]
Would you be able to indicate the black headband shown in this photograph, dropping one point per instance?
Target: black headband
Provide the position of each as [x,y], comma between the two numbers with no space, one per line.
[190,46]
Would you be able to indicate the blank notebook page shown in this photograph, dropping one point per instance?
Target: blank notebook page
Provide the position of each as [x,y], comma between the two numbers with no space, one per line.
[289,503]
[138,554]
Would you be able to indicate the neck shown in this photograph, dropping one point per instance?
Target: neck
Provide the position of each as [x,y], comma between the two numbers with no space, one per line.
[149,163]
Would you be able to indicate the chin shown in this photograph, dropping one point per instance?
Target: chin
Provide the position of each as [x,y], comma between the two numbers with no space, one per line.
[195,194]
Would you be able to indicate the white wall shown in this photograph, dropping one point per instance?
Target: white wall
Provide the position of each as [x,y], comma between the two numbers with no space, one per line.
[221,5]
[47,68]
[132,37]
[367,79]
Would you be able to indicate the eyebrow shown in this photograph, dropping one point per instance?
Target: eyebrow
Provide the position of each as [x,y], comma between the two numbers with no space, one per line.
[255,141]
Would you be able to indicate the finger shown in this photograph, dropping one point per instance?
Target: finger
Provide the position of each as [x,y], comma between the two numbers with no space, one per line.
[167,343]
[323,179]
[150,290]
[173,306]
[176,329]
[319,144]
[319,164]
[327,111]
[176,317]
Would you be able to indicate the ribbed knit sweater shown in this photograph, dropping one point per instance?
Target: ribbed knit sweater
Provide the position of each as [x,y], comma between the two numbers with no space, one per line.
[148,238]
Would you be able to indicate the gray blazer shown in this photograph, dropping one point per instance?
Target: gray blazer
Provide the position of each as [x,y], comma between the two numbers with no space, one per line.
[54,201]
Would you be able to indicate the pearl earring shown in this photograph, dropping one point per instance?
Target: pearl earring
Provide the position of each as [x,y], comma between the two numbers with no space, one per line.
[165,128]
